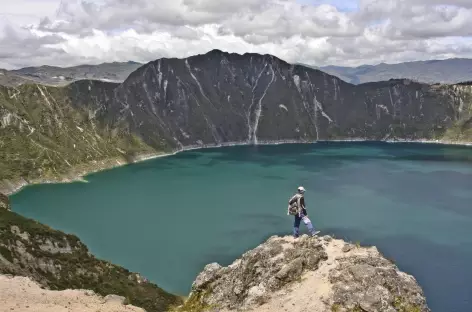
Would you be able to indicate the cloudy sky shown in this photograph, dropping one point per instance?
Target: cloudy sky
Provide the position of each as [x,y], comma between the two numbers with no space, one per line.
[316,32]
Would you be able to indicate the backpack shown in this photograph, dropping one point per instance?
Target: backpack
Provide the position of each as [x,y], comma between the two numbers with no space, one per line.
[293,208]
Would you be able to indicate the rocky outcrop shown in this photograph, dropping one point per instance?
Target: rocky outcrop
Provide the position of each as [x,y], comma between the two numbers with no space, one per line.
[58,261]
[306,274]
[4,202]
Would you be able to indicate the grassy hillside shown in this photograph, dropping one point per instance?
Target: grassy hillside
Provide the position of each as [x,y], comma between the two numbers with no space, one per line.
[43,134]
[60,261]
[461,130]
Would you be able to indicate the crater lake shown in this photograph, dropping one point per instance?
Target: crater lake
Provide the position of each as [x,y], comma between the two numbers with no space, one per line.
[168,217]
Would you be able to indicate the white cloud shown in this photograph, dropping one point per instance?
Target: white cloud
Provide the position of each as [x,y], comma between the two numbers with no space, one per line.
[317,32]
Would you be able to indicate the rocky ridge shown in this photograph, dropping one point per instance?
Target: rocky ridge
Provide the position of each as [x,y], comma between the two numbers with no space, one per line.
[307,274]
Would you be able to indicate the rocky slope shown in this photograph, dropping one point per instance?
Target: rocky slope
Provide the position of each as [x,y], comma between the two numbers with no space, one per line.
[211,99]
[44,135]
[308,274]
[59,261]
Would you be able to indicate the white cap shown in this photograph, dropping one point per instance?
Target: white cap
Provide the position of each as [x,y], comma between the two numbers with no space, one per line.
[301,189]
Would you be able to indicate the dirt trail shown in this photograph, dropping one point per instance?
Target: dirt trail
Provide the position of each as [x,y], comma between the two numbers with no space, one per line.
[20,294]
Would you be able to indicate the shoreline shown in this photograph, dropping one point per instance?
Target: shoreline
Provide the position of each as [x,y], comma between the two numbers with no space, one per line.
[10,188]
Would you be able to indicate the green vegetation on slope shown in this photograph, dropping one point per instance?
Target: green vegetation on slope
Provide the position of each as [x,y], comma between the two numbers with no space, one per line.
[60,261]
[461,130]
[43,135]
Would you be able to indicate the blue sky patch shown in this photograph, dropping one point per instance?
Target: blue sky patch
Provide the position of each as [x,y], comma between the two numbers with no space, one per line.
[341,5]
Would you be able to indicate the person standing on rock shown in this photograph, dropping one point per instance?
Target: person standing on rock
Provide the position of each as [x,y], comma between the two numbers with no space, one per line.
[296,207]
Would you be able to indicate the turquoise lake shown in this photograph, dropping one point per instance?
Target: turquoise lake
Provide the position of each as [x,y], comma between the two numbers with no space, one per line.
[168,217]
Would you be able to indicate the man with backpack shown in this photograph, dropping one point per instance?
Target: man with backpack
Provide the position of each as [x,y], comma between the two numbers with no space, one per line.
[296,207]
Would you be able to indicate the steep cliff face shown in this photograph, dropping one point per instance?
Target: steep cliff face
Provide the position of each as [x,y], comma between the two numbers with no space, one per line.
[215,98]
[220,97]
[59,261]
[308,274]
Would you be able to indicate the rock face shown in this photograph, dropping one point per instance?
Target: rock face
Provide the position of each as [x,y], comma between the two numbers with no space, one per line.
[220,97]
[4,202]
[213,99]
[59,261]
[308,274]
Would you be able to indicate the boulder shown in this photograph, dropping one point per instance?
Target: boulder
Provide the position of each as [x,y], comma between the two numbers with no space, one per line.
[115,298]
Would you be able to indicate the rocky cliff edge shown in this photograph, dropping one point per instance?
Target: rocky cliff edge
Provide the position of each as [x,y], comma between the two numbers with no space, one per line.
[307,274]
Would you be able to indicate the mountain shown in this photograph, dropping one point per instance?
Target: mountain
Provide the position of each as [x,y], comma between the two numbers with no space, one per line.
[306,274]
[10,79]
[59,261]
[212,99]
[59,76]
[450,71]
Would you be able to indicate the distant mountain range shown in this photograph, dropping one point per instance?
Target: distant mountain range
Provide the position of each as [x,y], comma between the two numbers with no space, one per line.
[450,71]
[57,76]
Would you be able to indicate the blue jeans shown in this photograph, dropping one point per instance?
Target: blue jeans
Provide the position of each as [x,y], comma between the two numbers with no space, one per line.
[296,224]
